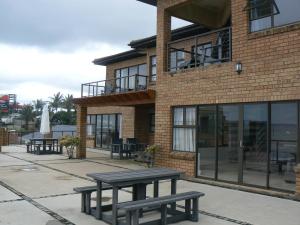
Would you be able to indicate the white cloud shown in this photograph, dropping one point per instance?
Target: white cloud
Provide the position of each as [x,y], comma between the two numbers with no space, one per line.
[33,73]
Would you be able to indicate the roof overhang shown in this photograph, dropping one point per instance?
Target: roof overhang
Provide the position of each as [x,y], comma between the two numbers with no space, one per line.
[150,2]
[119,99]
[118,57]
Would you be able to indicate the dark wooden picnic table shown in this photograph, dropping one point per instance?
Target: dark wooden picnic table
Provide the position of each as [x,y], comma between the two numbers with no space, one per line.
[44,146]
[138,179]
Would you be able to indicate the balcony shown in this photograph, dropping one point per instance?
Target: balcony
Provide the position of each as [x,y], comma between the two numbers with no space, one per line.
[131,83]
[212,48]
[129,90]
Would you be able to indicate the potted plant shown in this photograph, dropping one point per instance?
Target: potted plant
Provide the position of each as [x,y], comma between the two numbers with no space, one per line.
[70,143]
[150,152]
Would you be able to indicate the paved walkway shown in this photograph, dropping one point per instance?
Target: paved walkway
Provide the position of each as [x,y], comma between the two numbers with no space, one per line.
[37,190]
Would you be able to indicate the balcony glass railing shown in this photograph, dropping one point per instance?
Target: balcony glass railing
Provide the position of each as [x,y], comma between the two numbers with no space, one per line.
[201,50]
[113,86]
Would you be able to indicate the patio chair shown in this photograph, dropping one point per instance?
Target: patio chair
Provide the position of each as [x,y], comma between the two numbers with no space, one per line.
[117,147]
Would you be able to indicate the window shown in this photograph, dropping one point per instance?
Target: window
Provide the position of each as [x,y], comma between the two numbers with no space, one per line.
[265,14]
[90,125]
[153,68]
[176,60]
[131,78]
[184,129]
[151,122]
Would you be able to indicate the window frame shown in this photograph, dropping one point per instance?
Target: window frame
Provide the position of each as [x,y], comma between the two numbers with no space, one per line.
[177,60]
[184,126]
[271,16]
[152,76]
[151,122]
[127,77]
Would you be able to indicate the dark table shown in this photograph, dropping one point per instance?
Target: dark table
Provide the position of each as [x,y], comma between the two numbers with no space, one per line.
[44,146]
[138,179]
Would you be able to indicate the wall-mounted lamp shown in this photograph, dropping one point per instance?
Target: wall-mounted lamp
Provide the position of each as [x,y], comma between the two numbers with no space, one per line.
[238,67]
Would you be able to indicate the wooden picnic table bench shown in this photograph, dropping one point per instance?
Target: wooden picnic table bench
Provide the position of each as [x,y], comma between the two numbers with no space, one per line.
[133,208]
[138,180]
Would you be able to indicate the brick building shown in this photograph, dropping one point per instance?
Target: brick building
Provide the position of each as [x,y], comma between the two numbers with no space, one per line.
[221,96]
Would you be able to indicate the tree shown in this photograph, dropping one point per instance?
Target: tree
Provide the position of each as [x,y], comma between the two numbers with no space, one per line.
[38,106]
[27,114]
[68,103]
[56,101]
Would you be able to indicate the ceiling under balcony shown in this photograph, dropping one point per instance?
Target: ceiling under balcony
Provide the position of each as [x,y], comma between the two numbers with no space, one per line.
[209,13]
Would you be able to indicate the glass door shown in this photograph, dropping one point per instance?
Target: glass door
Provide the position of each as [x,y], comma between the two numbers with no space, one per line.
[228,142]
[206,141]
[98,131]
[254,144]
[283,155]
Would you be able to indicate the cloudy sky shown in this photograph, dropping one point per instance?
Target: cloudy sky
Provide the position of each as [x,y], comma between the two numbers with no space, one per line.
[47,46]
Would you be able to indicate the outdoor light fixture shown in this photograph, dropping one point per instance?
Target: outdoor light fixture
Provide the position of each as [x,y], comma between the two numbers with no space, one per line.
[238,67]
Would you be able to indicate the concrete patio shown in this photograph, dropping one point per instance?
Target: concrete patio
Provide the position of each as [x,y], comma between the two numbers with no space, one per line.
[38,189]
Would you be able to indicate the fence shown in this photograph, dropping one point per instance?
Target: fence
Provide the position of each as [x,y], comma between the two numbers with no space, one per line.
[20,138]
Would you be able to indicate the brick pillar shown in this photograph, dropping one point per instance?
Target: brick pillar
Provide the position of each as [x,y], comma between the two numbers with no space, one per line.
[81,131]
[297,170]
[163,37]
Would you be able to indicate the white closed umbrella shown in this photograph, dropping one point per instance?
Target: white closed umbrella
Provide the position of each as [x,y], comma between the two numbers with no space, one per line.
[45,122]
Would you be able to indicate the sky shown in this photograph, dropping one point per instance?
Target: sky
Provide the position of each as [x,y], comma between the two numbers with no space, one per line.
[47,46]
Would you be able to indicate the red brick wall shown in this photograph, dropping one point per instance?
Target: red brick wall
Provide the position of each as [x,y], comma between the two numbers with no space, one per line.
[297,170]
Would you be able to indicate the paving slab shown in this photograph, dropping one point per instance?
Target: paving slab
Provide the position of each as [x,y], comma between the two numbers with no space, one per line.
[83,167]
[33,157]
[6,195]
[37,181]
[6,160]
[242,206]
[23,213]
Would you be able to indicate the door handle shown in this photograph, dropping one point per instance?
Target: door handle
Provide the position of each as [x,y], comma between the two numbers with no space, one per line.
[241,144]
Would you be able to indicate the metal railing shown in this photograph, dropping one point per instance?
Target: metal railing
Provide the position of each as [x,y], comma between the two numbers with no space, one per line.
[20,138]
[118,85]
[200,50]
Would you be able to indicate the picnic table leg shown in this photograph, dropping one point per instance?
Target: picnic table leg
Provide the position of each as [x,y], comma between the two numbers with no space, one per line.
[195,209]
[173,192]
[164,215]
[135,217]
[155,191]
[128,218]
[99,201]
[188,208]
[114,206]
[82,202]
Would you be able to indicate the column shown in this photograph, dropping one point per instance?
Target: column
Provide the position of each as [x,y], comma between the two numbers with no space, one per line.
[81,130]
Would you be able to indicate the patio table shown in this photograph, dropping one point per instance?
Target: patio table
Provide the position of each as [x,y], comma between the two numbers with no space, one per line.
[52,144]
[138,179]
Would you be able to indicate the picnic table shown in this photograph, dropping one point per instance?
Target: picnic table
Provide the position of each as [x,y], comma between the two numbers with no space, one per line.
[138,180]
[41,146]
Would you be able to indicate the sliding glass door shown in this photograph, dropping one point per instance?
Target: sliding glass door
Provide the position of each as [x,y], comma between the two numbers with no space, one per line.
[283,156]
[254,144]
[228,142]
[254,147]
[107,129]
[206,141]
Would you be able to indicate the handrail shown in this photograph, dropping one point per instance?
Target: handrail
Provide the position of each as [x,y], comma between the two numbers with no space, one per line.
[215,47]
[116,85]
[200,35]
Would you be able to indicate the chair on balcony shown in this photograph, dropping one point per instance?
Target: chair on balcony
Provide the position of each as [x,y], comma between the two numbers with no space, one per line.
[108,89]
[117,147]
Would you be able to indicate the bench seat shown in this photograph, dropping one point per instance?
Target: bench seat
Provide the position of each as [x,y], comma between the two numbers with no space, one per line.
[133,208]
[86,196]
